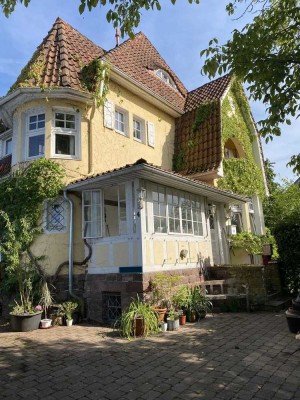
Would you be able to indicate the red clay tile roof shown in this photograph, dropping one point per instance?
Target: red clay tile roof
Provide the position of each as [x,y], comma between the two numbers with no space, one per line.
[59,59]
[201,150]
[5,165]
[139,59]
[211,91]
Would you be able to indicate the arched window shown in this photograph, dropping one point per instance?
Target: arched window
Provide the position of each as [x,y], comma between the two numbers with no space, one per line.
[233,149]
[164,76]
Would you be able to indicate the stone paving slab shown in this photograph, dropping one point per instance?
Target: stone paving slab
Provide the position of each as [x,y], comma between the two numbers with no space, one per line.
[226,356]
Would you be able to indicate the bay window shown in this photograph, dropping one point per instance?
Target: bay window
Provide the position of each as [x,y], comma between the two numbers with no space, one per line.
[65,134]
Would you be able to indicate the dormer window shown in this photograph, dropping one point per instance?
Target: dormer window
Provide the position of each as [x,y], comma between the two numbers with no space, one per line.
[164,76]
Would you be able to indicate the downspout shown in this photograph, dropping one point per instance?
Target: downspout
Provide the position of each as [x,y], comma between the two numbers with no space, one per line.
[71,236]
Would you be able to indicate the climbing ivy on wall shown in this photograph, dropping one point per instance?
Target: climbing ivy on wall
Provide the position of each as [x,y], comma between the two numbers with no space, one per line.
[93,75]
[241,175]
[21,199]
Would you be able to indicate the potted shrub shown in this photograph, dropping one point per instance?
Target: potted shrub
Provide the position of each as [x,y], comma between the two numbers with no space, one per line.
[46,301]
[24,315]
[173,320]
[162,287]
[67,308]
[139,319]
[182,300]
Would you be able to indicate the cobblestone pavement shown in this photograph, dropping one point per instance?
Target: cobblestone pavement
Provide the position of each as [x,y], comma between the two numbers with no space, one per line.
[225,356]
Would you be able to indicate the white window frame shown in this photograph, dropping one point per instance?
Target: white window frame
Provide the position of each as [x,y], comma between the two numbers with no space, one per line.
[101,207]
[165,77]
[33,133]
[181,197]
[142,129]
[125,122]
[47,203]
[6,153]
[76,133]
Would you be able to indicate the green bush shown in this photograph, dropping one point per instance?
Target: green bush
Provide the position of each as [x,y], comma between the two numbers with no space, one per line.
[287,234]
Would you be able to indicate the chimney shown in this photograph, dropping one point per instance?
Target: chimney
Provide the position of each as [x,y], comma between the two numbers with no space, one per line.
[117,37]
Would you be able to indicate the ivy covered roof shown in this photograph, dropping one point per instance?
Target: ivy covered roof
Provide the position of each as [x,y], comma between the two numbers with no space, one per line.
[58,60]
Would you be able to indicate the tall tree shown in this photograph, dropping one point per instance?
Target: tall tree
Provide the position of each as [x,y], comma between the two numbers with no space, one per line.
[265,54]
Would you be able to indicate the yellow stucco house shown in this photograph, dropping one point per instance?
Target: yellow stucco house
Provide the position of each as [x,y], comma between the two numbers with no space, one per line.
[145,172]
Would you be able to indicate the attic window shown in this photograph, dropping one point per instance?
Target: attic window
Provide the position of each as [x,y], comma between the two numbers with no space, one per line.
[164,76]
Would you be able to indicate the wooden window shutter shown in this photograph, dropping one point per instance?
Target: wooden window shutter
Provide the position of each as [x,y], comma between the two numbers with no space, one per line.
[108,117]
[151,134]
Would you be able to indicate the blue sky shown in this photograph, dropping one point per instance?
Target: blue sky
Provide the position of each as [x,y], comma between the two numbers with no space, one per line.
[178,32]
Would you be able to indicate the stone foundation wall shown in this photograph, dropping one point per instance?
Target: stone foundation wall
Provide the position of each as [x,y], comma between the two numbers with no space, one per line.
[128,285]
[61,291]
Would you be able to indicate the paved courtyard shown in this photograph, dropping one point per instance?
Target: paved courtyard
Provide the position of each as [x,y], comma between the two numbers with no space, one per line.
[225,356]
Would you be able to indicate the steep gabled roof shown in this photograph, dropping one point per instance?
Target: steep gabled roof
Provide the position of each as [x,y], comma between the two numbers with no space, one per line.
[139,59]
[211,91]
[59,59]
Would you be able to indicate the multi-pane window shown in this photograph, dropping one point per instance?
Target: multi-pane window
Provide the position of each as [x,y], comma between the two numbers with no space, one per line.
[55,215]
[35,137]
[164,76]
[186,212]
[181,211]
[92,217]
[120,121]
[138,128]
[65,134]
[111,306]
[8,147]
[122,210]
[197,218]
[173,212]
[159,210]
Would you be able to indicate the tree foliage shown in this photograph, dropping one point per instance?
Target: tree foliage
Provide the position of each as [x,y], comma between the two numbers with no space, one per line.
[125,14]
[282,216]
[265,54]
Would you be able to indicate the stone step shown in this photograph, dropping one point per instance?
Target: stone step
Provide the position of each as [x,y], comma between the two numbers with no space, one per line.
[278,304]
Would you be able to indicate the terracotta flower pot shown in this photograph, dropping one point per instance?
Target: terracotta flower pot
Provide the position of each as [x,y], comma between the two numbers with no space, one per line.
[161,312]
[191,316]
[138,326]
[182,319]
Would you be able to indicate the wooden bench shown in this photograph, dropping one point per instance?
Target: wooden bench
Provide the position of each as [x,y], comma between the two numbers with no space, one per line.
[223,289]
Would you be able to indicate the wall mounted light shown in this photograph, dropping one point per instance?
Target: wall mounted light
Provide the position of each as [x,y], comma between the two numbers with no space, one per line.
[141,194]
[211,209]
[228,212]
[183,254]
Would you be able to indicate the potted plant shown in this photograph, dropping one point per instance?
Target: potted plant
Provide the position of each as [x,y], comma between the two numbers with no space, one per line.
[182,300]
[162,287]
[46,301]
[173,320]
[67,308]
[24,315]
[139,319]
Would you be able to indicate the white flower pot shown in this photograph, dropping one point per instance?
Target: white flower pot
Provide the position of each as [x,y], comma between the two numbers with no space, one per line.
[69,322]
[46,323]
